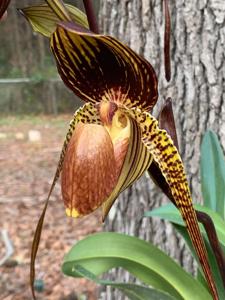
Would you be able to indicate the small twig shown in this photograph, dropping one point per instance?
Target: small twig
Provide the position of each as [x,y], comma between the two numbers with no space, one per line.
[8,246]
[92,20]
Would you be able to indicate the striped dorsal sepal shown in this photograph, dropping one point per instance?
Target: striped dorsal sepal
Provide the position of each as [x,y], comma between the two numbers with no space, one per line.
[98,67]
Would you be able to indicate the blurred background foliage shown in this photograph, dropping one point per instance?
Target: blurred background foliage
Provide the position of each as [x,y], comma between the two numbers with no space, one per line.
[29,82]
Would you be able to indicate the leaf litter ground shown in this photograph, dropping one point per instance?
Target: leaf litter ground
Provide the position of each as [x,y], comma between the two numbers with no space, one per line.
[29,151]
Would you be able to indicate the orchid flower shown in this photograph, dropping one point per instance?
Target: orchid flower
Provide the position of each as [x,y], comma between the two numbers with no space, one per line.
[113,138]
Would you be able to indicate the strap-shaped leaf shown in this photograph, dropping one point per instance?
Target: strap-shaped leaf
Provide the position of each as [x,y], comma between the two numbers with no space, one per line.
[131,290]
[44,20]
[213,173]
[86,114]
[104,251]
[166,155]
[170,213]
[3,6]
[100,67]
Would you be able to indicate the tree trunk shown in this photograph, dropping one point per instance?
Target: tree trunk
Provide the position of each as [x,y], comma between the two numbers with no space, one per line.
[197,88]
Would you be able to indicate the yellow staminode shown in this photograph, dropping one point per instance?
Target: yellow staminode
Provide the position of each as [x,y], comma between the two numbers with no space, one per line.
[72,212]
[120,127]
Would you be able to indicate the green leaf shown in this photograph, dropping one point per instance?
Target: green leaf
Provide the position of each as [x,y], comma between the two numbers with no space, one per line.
[101,252]
[212,261]
[213,173]
[43,20]
[170,213]
[133,291]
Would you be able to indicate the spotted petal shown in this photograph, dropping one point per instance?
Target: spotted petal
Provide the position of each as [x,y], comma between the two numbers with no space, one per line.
[167,122]
[166,155]
[100,67]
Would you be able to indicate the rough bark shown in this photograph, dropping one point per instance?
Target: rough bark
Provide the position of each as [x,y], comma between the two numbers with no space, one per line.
[197,88]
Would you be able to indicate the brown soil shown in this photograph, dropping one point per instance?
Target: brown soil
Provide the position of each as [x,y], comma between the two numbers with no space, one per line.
[26,172]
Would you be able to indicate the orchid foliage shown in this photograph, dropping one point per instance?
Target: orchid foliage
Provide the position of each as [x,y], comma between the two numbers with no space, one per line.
[113,139]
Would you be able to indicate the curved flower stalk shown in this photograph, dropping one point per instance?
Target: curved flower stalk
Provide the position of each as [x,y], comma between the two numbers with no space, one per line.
[113,138]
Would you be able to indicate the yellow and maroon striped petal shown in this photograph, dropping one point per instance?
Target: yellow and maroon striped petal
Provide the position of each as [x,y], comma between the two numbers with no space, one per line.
[3,6]
[136,162]
[100,67]
[161,146]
